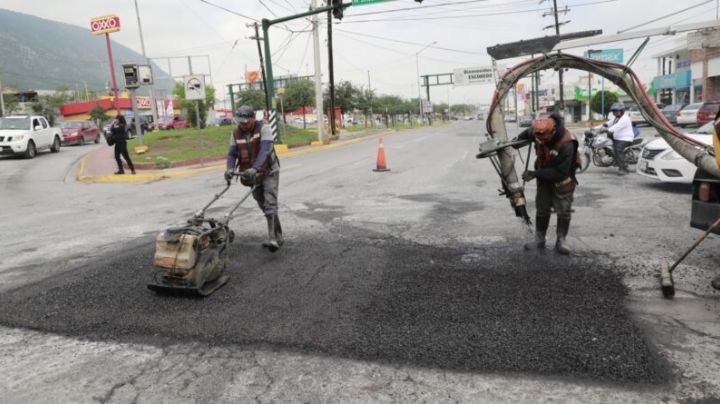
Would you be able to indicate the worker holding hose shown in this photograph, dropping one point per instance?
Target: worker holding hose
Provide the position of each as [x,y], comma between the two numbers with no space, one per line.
[555,166]
[252,153]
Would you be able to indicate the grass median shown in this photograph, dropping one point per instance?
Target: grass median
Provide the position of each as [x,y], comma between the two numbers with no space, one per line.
[168,146]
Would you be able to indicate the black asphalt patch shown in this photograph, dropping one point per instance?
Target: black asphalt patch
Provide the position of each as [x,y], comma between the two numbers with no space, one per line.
[366,296]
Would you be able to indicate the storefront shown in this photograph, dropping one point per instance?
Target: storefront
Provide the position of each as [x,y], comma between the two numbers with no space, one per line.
[673,88]
[80,111]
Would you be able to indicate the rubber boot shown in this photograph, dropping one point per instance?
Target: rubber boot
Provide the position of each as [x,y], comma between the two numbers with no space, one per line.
[271,243]
[541,226]
[278,231]
[563,226]
[716,282]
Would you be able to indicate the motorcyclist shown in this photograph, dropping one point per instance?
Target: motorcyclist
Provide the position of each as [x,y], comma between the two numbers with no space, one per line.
[621,129]
[556,150]
[252,153]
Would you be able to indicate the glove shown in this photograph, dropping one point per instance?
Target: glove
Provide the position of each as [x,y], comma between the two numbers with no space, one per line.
[228,175]
[528,176]
[249,175]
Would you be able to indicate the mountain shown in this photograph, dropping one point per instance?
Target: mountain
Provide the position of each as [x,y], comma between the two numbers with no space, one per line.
[40,54]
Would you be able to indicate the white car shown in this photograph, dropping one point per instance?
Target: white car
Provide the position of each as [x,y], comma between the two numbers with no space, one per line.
[660,162]
[688,115]
[26,135]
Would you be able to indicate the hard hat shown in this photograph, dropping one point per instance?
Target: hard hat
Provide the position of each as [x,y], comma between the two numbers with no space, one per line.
[245,113]
[617,106]
[543,126]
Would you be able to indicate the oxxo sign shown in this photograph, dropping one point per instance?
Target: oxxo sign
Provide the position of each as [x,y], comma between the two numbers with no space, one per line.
[105,24]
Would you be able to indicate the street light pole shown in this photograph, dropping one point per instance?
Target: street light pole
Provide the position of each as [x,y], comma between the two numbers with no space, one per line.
[417,67]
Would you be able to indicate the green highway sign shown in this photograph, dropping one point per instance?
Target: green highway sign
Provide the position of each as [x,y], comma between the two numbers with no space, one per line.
[606,55]
[363,2]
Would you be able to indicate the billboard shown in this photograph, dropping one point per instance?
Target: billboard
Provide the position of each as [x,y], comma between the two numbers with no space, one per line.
[473,75]
[105,24]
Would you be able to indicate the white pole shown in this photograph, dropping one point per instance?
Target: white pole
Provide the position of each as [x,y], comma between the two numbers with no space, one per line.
[318,79]
[142,46]
[2,101]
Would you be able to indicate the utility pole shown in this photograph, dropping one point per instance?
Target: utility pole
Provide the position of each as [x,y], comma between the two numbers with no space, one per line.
[2,101]
[557,25]
[268,97]
[318,77]
[333,130]
[153,103]
[560,72]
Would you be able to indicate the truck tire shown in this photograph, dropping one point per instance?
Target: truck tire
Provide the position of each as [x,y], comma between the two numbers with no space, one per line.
[31,151]
[55,145]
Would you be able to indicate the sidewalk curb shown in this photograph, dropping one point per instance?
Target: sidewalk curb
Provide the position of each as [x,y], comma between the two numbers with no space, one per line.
[187,172]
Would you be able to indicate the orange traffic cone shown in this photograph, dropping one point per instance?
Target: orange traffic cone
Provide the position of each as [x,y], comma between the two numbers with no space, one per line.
[381,165]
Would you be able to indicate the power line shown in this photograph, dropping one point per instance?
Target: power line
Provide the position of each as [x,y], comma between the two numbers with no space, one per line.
[419,7]
[665,16]
[475,15]
[410,43]
[268,8]
[230,11]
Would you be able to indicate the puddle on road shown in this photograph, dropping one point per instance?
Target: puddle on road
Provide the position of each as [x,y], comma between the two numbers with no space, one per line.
[468,308]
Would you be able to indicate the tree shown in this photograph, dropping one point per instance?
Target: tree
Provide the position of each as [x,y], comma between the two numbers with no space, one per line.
[596,102]
[347,96]
[299,94]
[189,105]
[12,103]
[252,97]
[98,114]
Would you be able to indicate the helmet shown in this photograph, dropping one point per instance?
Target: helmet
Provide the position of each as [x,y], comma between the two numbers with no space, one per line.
[543,127]
[617,106]
[245,113]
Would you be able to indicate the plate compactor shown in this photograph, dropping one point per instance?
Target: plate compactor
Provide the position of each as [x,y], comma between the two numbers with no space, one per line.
[191,259]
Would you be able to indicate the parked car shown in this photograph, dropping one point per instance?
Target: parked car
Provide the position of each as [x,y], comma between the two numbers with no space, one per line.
[176,122]
[707,112]
[688,115]
[659,161]
[670,112]
[525,121]
[637,117]
[26,135]
[223,121]
[79,132]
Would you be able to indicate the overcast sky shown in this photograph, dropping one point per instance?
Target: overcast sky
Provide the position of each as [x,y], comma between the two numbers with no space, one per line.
[363,40]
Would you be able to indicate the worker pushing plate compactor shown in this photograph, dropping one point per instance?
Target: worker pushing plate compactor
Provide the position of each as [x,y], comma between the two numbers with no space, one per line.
[192,259]
[497,147]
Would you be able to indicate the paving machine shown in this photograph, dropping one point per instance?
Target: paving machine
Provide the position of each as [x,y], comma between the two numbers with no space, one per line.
[191,259]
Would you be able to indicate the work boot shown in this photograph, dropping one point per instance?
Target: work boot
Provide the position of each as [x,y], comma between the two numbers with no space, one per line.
[541,226]
[716,282]
[271,243]
[563,226]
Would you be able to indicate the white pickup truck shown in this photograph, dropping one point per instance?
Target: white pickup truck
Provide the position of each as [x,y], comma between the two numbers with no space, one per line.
[27,134]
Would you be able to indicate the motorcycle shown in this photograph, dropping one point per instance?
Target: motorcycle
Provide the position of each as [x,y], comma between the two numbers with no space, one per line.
[598,148]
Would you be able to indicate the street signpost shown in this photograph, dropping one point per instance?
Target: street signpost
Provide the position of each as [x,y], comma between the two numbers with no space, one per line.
[105,25]
[136,76]
[195,91]
[473,75]
[605,55]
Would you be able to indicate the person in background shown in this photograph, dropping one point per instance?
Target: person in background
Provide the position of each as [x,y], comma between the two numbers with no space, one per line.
[621,128]
[118,131]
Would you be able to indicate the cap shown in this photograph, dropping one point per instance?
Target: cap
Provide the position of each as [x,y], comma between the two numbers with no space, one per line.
[244,113]
[543,126]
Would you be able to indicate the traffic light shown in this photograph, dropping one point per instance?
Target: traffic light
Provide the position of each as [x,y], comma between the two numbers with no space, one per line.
[338,10]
